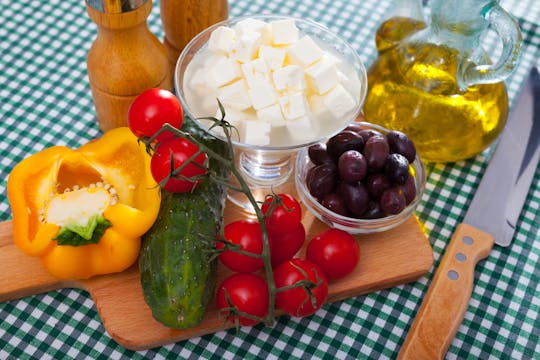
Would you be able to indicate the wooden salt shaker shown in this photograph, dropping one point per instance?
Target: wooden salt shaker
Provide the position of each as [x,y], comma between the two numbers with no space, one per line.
[125,58]
[183,19]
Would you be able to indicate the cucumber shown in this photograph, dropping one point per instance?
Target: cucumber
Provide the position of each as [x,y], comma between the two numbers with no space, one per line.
[178,276]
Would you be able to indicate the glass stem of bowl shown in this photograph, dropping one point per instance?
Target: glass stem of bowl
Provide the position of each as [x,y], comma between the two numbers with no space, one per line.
[265,169]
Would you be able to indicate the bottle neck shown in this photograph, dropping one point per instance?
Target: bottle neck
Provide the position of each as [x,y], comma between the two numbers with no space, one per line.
[460,21]
[460,29]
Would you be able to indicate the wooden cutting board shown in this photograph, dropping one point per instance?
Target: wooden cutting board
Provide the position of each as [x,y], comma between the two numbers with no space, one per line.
[387,259]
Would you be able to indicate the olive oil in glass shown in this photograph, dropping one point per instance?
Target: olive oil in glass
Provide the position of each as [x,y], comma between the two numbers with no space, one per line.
[427,83]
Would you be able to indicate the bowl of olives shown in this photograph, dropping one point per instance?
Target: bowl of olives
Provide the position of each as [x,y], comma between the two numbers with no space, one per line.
[365,179]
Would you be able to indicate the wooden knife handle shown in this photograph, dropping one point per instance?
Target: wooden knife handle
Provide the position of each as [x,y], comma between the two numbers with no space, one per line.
[447,298]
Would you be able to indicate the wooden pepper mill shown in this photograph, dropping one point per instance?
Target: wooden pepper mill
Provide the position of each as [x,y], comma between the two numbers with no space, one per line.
[125,58]
[183,19]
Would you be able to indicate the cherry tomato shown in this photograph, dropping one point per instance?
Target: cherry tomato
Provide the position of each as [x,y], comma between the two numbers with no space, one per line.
[248,293]
[285,246]
[151,109]
[248,235]
[181,150]
[298,301]
[285,213]
[335,251]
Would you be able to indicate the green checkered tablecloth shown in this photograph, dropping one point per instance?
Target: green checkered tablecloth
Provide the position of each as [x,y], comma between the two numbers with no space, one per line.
[45,100]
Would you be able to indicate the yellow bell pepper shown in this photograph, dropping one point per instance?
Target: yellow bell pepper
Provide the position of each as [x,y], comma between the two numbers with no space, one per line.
[83,211]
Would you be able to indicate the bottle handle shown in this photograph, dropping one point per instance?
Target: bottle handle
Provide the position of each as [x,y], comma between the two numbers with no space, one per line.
[507,28]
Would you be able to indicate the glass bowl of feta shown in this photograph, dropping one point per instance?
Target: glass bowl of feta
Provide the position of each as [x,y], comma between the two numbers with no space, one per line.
[284,83]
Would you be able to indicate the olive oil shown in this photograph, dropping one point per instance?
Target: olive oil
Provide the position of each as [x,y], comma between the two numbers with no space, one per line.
[412,87]
[395,29]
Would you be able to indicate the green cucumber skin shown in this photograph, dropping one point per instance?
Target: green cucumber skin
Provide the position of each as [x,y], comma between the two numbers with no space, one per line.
[178,277]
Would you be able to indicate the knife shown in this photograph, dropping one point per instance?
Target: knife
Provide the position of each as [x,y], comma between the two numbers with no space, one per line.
[491,217]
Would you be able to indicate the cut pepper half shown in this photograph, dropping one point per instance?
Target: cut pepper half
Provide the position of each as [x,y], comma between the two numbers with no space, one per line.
[83,211]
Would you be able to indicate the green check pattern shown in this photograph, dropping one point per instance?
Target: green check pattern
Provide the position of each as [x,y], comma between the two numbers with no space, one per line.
[45,100]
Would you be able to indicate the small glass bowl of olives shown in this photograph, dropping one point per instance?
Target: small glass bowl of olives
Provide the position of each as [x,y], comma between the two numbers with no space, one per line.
[365,179]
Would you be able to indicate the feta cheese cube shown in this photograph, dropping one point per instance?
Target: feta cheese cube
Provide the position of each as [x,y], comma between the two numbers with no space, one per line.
[289,79]
[235,95]
[304,52]
[221,40]
[236,117]
[257,132]
[224,71]
[339,101]
[284,32]
[337,61]
[301,129]
[251,25]
[322,75]
[212,59]
[351,83]
[262,94]
[200,82]
[316,104]
[293,105]
[274,57]
[208,104]
[246,46]
[255,70]
[272,114]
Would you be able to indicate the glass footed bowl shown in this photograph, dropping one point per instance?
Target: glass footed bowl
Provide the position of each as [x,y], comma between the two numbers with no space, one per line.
[349,224]
[267,168]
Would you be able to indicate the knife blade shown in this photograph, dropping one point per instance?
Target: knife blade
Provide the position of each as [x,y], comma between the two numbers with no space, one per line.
[491,217]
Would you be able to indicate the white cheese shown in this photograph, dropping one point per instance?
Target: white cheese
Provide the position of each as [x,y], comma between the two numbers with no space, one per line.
[272,114]
[322,75]
[224,71]
[209,103]
[251,25]
[273,56]
[246,46]
[201,83]
[262,94]
[349,84]
[235,95]
[235,117]
[289,79]
[316,104]
[293,105]
[339,102]
[277,86]
[255,70]
[284,32]
[257,132]
[302,129]
[221,40]
[212,60]
[304,52]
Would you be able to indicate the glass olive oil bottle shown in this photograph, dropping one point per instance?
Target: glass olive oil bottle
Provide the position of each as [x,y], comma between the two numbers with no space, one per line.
[437,85]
